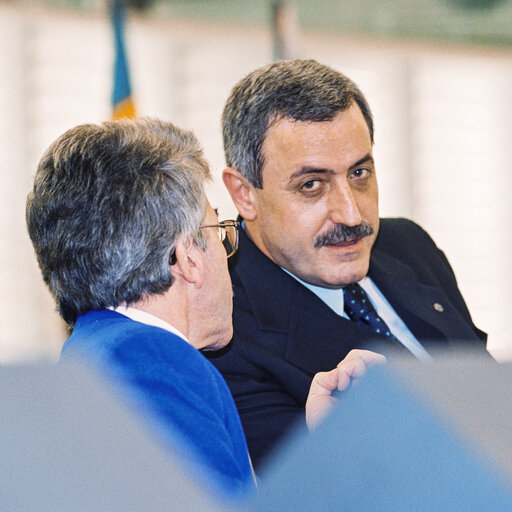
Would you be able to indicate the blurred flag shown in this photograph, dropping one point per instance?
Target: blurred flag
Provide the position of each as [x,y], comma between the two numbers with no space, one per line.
[122,102]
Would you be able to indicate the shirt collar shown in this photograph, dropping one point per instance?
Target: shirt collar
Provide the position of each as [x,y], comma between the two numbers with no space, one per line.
[147,318]
[333,297]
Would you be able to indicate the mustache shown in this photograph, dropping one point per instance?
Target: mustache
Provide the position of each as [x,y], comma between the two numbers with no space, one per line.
[343,233]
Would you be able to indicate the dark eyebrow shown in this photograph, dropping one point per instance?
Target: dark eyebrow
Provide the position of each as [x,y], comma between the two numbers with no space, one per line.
[365,159]
[319,170]
[309,170]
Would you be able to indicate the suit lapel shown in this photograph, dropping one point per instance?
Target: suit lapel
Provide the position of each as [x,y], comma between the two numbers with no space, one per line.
[402,289]
[269,289]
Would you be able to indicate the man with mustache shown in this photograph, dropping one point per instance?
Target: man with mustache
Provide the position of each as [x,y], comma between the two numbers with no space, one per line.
[298,139]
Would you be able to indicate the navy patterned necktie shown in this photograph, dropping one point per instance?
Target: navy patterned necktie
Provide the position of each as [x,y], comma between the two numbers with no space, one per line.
[359,309]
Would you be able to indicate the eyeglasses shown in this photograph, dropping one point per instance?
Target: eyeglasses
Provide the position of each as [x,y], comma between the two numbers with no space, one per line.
[227,231]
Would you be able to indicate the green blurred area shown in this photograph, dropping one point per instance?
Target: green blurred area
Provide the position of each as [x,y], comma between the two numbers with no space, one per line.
[480,22]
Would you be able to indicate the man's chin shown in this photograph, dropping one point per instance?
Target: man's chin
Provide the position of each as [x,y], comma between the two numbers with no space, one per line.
[336,281]
[342,273]
[220,341]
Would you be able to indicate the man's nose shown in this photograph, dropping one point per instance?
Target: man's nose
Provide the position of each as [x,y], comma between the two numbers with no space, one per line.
[344,208]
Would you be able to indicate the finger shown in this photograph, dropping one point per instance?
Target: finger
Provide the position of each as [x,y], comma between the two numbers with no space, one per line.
[350,370]
[355,365]
[367,356]
[324,383]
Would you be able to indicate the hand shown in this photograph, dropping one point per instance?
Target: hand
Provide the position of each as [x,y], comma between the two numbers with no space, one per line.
[320,400]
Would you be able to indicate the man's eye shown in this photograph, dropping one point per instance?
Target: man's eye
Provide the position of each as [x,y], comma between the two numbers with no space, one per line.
[361,173]
[310,185]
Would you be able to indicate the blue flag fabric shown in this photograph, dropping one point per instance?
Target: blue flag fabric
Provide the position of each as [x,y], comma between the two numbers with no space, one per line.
[122,101]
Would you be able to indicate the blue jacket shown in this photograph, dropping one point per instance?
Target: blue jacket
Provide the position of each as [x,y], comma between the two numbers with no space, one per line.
[172,381]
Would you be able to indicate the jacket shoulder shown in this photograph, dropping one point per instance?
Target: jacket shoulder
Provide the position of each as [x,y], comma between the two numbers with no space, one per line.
[404,239]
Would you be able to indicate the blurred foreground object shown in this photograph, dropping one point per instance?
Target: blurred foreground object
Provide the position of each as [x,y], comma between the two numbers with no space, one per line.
[407,437]
[67,443]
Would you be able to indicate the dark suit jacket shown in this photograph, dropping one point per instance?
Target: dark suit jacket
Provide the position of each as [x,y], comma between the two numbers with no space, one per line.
[284,334]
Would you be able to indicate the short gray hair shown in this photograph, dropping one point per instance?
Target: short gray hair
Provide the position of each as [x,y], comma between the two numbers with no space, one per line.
[301,90]
[108,204]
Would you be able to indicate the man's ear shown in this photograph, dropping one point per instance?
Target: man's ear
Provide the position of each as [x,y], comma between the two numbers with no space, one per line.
[190,262]
[242,193]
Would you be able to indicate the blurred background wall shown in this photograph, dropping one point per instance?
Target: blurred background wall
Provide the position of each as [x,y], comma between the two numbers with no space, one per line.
[438,75]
